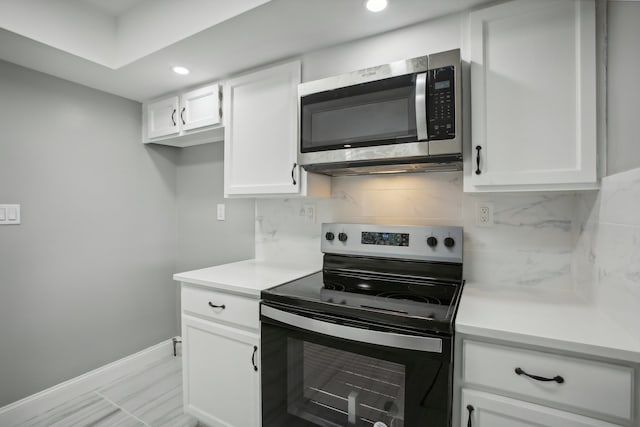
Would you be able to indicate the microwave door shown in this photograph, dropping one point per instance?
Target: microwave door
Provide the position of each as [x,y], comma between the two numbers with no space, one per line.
[421,107]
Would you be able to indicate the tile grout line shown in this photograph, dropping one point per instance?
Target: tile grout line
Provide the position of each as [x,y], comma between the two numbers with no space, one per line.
[120,407]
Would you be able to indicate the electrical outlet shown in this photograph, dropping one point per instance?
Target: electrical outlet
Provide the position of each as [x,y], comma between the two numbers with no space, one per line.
[309,213]
[484,214]
[221,213]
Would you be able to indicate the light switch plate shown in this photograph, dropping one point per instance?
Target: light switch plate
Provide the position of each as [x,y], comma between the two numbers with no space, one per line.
[9,214]
[220,212]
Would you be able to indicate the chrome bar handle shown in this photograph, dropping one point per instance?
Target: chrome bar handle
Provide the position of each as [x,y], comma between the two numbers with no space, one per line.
[352,407]
[369,336]
[421,107]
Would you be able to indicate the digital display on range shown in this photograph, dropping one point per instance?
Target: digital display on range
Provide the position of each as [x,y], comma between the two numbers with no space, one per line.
[385,239]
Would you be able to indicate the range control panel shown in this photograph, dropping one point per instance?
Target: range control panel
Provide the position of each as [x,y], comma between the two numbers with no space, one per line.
[425,243]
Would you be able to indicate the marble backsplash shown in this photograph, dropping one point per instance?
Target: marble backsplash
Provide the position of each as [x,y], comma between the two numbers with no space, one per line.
[531,243]
[606,260]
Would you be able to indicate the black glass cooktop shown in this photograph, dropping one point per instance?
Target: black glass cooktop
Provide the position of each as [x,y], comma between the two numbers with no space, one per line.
[406,294]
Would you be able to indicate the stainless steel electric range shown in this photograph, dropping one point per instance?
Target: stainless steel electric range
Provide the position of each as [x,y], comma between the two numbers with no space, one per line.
[368,341]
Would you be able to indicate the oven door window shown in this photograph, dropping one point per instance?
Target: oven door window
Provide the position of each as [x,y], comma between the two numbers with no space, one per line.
[375,113]
[332,387]
[310,379]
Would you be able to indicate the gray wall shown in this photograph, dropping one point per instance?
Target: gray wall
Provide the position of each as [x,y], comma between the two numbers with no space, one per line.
[204,241]
[86,278]
[623,151]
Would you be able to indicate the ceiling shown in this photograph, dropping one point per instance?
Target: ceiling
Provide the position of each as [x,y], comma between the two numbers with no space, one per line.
[113,7]
[128,47]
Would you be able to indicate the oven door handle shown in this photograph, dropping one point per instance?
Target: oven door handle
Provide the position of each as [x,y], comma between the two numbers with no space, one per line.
[421,107]
[388,339]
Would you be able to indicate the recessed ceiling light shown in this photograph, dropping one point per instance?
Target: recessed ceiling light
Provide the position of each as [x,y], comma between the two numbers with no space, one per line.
[376,5]
[181,70]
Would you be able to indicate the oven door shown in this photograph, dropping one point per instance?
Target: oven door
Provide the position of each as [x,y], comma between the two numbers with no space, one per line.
[319,370]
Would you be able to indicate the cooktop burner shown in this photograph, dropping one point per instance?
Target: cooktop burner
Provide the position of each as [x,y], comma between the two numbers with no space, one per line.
[402,281]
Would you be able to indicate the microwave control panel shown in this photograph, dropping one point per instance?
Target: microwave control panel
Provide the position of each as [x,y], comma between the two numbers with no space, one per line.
[441,111]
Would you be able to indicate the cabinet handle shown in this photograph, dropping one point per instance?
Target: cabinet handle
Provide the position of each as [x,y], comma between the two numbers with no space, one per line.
[557,378]
[470,409]
[212,305]
[182,115]
[293,169]
[253,358]
[478,171]
[173,117]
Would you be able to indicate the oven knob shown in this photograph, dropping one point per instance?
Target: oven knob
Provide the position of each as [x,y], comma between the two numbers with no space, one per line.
[342,237]
[329,236]
[449,242]
[432,241]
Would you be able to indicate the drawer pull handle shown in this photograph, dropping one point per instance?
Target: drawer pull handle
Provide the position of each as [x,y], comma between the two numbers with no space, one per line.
[478,171]
[470,409]
[557,378]
[212,305]
[253,358]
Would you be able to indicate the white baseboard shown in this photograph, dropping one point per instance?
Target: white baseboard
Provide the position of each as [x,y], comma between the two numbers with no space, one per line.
[23,409]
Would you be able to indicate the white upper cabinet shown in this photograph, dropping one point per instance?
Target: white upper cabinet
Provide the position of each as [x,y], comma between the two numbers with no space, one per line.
[162,119]
[191,118]
[261,136]
[533,96]
[200,108]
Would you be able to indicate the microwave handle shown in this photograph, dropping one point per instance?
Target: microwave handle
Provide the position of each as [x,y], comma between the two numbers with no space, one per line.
[421,107]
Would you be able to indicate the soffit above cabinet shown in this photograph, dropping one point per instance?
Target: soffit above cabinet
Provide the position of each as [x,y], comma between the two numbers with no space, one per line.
[129,47]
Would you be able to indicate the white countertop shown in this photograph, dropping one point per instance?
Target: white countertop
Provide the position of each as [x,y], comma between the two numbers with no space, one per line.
[544,318]
[247,277]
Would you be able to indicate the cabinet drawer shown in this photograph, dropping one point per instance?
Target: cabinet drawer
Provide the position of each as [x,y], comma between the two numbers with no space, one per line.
[238,310]
[592,386]
[489,410]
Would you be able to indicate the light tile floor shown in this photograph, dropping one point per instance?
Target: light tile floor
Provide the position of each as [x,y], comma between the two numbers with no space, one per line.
[151,397]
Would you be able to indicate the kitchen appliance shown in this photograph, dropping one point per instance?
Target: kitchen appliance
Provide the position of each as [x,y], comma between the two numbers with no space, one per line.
[369,339]
[399,117]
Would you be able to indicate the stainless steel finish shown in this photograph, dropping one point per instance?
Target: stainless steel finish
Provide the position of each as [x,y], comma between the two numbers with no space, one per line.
[443,59]
[388,339]
[398,68]
[407,157]
[417,249]
[340,170]
[421,106]
[410,151]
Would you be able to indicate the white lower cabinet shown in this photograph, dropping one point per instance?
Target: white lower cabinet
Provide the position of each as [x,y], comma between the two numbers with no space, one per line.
[510,386]
[481,409]
[220,359]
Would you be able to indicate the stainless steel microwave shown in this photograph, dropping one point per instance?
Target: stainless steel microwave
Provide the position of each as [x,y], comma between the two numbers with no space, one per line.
[399,117]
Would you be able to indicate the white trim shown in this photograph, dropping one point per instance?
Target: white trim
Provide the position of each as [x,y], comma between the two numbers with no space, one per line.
[21,410]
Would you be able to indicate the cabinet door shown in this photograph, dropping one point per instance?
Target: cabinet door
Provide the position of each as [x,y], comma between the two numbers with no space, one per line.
[488,410]
[200,108]
[533,92]
[162,117]
[221,385]
[261,132]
